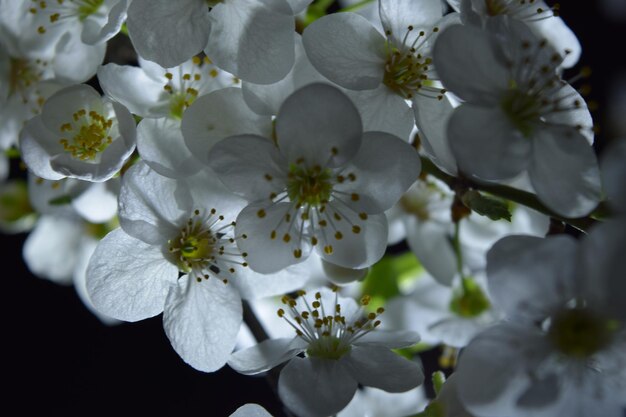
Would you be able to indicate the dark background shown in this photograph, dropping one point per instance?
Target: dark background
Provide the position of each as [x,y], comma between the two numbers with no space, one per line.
[59,359]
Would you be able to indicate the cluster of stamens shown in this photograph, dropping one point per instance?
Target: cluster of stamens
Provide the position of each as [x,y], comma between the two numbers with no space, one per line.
[186,86]
[526,10]
[60,10]
[90,134]
[318,209]
[203,247]
[534,88]
[407,71]
[326,330]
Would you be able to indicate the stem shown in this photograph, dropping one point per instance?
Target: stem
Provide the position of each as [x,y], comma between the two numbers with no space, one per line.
[509,193]
[356,6]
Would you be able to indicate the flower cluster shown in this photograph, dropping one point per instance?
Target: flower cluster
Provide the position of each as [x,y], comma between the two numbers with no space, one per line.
[254,148]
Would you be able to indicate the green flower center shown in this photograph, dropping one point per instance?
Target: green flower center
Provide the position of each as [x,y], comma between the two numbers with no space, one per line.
[405,72]
[87,8]
[496,7]
[579,333]
[471,301]
[309,186]
[194,247]
[90,135]
[522,109]
[328,347]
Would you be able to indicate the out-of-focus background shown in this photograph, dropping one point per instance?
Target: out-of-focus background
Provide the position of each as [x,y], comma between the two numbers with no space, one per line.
[58,359]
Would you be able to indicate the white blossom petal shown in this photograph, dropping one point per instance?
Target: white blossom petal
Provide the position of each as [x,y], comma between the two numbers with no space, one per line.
[128,279]
[346,49]
[201,320]
[266,355]
[390,339]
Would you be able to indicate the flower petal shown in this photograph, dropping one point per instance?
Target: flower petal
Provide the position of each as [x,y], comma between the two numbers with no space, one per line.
[128,279]
[270,240]
[379,367]
[485,143]
[398,15]
[252,285]
[314,387]
[251,410]
[390,339]
[564,172]
[320,124]
[346,49]
[218,115]
[201,320]
[161,145]
[529,276]
[266,355]
[166,32]
[253,39]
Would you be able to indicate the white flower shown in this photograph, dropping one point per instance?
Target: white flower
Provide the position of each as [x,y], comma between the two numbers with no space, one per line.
[518,115]
[176,253]
[251,410]
[562,352]
[542,19]
[153,91]
[372,402]
[252,39]
[350,51]
[78,135]
[342,350]
[323,185]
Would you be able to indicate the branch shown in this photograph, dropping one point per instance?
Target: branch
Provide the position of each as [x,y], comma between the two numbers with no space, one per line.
[509,193]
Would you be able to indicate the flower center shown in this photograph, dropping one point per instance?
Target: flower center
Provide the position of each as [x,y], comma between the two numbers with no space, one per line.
[497,7]
[203,247]
[22,75]
[309,186]
[471,301]
[579,333]
[91,135]
[322,325]
[522,109]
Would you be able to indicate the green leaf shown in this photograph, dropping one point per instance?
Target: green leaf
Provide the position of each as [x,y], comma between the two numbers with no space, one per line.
[493,208]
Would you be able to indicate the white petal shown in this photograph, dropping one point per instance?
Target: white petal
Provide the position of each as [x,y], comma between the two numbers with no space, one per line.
[94,33]
[202,321]
[346,49]
[76,61]
[355,250]
[166,32]
[98,203]
[128,279]
[491,371]
[320,124]
[50,251]
[268,247]
[432,117]
[254,285]
[560,37]
[36,148]
[485,143]
[529,276]
[161,145]
[131,86]
[384,111]
[148,207]
[244,163]
[430,241]
[390,339]
[219,115]
[398,15]
[379,367]
[253,39]
[564,172]
[298,6]
[467,64]
[266,355]
[251,410]
[208,192]
[315,387]
[340,275]
[385,167]
[577,116]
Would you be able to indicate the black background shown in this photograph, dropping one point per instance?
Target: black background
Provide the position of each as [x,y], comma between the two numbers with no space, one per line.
[59,359]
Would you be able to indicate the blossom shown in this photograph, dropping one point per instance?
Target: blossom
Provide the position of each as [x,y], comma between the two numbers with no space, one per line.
[78,135]
[561,352]
[324,184]
[342,348]
[252,39]
[250,410]
[176,253]
[541,19]
[518,114]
